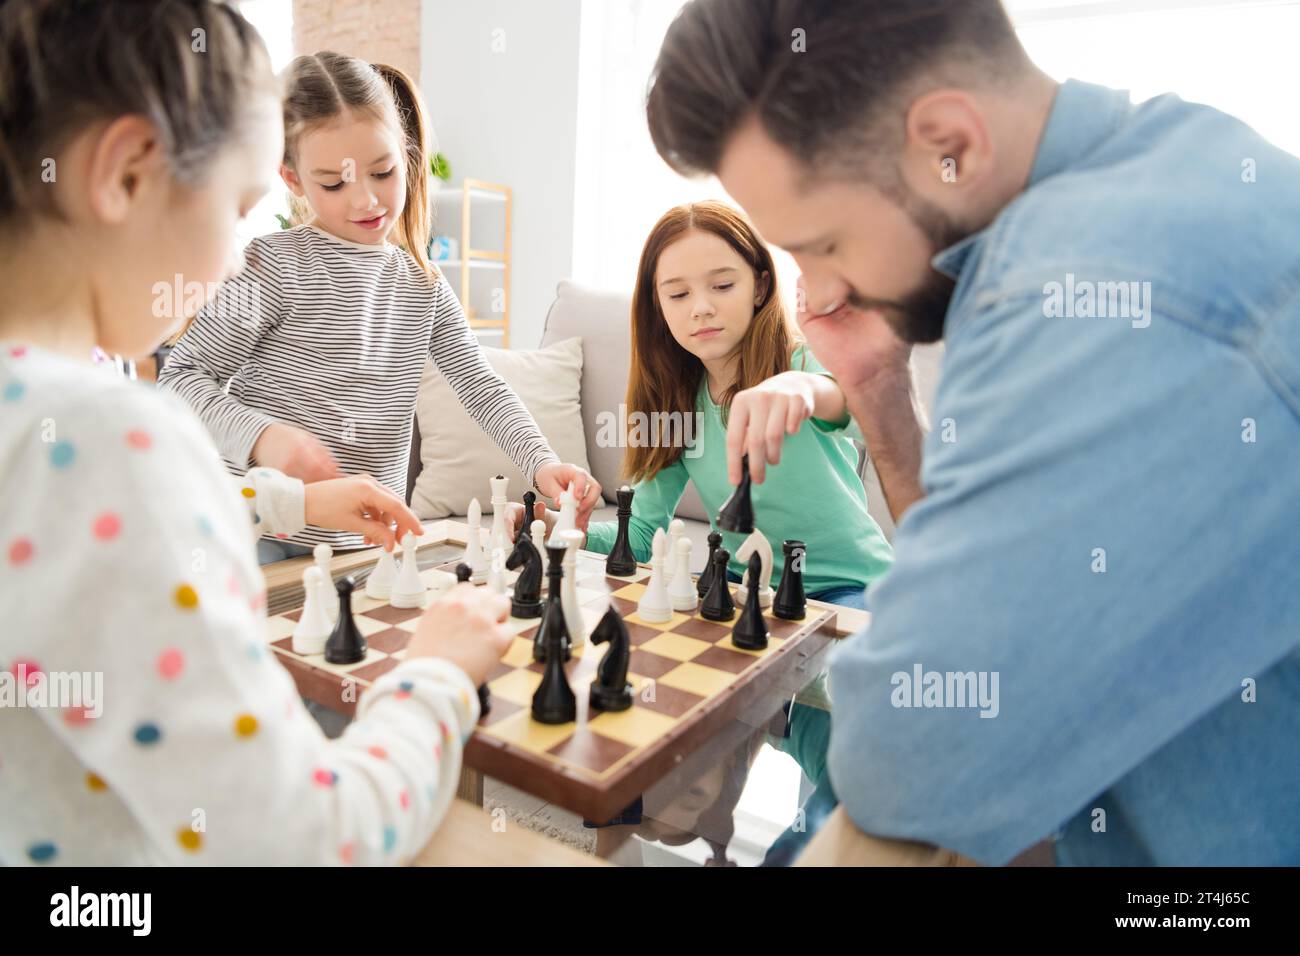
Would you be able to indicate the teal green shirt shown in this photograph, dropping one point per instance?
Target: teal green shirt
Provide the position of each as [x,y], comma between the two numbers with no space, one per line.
[814,495]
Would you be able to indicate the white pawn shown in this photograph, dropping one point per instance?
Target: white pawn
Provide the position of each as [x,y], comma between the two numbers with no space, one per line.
[676,528]
[314,627]
[654,605]
[409,591]
[568,520]
[440,582]
[474,556]
[500,502]
[572,541]
[497,571]
[380,583]
[756,542]
[681,591]
[538,529]
[323,554]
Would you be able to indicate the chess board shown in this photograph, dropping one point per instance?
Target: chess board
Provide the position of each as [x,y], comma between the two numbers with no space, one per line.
[688,681]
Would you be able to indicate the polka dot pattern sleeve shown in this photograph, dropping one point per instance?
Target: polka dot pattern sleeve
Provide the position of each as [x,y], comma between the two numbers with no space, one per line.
[274,501]
[130,564]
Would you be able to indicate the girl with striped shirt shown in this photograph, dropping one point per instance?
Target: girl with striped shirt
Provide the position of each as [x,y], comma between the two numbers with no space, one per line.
[310,360]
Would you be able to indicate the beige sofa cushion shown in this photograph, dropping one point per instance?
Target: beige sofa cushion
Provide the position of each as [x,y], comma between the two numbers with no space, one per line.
[458,459]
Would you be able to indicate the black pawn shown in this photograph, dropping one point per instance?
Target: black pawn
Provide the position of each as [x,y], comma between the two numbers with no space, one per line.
[621,561]
[718,605]
[737,513]
[527,599]
[750,632]
[704,581]
[553,615]
[526,526]
[463,573]
[610,690]
[346,645]
[790,604]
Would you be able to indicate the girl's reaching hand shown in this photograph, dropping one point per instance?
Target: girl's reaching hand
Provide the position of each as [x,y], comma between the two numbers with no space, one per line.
[360,504]
[762,416]
[467,627]
[552,478]
[295,452]
[515,515]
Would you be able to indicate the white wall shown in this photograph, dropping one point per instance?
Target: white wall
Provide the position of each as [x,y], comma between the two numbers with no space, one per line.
[500,80]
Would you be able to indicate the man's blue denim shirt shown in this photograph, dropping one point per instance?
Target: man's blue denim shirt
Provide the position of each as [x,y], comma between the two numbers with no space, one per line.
[1092,628]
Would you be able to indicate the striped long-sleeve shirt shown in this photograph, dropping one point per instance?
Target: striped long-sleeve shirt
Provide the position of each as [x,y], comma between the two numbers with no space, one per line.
[332,336]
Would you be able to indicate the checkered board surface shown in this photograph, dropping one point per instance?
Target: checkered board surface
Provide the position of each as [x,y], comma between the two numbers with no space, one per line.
[682,672]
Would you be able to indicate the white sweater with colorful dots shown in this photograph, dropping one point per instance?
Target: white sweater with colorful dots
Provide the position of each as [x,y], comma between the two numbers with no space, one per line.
[142,717]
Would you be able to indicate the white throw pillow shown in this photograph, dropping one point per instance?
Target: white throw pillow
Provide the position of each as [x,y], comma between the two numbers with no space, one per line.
[458,458]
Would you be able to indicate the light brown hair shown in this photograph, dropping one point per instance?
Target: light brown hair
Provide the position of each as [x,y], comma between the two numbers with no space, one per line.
[324,86]
[189,67]
[664,376]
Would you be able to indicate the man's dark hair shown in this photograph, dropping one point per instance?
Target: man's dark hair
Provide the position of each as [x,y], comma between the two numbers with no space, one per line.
[822,76]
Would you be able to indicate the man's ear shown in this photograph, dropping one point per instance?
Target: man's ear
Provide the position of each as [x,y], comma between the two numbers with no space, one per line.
[126,162]
[948,142]
[291,180]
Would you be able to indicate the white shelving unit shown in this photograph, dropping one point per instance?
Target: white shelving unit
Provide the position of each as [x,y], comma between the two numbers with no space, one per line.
[475,260]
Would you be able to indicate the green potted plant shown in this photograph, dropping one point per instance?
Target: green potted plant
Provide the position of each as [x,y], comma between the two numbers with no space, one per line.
[440,167]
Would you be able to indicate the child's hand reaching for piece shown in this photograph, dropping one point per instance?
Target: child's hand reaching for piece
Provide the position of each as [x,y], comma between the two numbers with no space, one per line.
[551,480]
[295,452]
[466,627]
[515,515]
[762,416]
[360,504]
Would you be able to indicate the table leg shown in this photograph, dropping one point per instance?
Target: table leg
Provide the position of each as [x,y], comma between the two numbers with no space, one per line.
[471,786]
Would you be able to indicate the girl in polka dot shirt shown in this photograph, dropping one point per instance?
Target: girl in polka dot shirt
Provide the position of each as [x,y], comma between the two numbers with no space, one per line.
[127,561]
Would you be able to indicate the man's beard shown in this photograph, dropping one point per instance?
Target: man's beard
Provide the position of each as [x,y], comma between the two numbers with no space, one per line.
[919,316]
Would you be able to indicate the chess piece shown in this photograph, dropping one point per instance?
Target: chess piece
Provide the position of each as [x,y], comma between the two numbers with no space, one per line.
[409,590]
[525,523]
[474,556]
[527,561]
[676,529]
[379,585]
[323,553]
[706,577]
[654,606]
[498,538]
[756,543]
[497,572]
[568,519]
[346,645]
[553,626]
[737,512]
[440,582]
[718,605]
[463,573]
[790,603]
[750,632]
[621,562]
[572,541]
[611,690]
[681,591]
[553,702]
[313,627]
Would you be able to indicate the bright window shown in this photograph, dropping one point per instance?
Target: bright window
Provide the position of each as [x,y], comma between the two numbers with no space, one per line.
[274,21]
